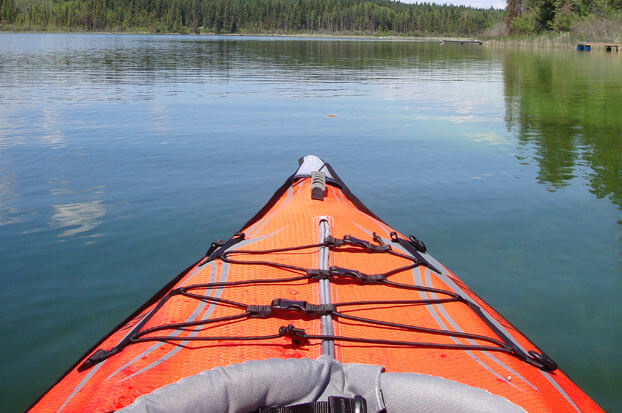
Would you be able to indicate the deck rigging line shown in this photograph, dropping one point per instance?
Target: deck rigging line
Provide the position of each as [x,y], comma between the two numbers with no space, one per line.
[288,309]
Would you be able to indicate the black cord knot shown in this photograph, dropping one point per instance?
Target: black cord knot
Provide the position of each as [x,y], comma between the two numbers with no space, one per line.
[259,310]
[319,274]
[365,278]
[321,309]
[333,242]
[290,306]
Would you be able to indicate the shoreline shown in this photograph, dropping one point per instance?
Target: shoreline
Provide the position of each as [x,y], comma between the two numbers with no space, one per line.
[347,36]
[542,41]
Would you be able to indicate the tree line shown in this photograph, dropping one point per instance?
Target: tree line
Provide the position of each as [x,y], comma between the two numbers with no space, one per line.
[529,16]
[247,16]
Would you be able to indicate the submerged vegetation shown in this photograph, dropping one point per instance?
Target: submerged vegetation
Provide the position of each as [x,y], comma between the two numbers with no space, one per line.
[247,16]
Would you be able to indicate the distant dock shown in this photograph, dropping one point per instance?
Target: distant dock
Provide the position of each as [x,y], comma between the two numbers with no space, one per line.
[609,47]
[474,42]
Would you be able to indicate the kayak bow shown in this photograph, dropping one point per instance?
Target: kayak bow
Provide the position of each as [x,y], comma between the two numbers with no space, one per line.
[319,304]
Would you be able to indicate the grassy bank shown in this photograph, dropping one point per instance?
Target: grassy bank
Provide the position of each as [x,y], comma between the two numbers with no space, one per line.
[592,29]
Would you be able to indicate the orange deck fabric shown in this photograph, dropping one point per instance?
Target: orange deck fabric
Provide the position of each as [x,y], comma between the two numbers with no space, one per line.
[294,220]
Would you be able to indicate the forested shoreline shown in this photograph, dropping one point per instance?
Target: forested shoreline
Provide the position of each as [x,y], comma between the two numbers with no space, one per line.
[586,19]
[247,16]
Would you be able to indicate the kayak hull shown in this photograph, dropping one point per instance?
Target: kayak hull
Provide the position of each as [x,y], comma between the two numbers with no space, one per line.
[270,251]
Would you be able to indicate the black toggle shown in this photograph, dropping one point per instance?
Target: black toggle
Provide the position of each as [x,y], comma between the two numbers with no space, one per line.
[215,244]
[415,249]
[218,247]
[547,363]
[96,358]
[417,243]
[297,335]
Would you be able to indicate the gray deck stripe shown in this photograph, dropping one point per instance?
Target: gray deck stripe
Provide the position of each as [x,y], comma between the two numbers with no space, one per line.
[249,241]
[328,346]
[457,328]
[251,229]
[371,234]
[559,389]
[195,314]
[418,281]
[444,277]
[269,217]
[428,271]
[82,383]
[201,306]
[223,277]
[190,318]
[432,310]
[339,195]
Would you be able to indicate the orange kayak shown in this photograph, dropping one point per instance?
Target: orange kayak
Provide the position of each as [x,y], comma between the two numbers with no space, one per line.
[315,304]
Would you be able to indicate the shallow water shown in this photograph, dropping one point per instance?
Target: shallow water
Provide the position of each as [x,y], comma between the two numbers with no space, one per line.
[122,157]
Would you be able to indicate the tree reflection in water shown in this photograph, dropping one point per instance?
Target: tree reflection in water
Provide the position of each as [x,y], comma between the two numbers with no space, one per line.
[565,109]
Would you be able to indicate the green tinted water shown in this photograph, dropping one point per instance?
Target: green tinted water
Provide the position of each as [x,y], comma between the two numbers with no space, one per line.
[123,157]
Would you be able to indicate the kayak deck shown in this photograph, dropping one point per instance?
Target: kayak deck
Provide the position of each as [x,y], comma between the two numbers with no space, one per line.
[306,278]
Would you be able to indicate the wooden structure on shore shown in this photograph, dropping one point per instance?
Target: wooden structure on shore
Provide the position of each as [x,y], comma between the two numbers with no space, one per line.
[609,47]
[475,42]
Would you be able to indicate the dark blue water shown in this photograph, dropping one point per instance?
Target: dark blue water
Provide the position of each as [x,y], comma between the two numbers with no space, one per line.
[123,157]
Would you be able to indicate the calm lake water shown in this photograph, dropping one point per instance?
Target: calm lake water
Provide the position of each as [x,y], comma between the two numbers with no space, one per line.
[122,157]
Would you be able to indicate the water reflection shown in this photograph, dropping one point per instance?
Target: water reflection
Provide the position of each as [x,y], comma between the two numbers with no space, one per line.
[86,66]
[83,120]
[77,218]
[8,213]
[52,135]
[566,112]
[564,108]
